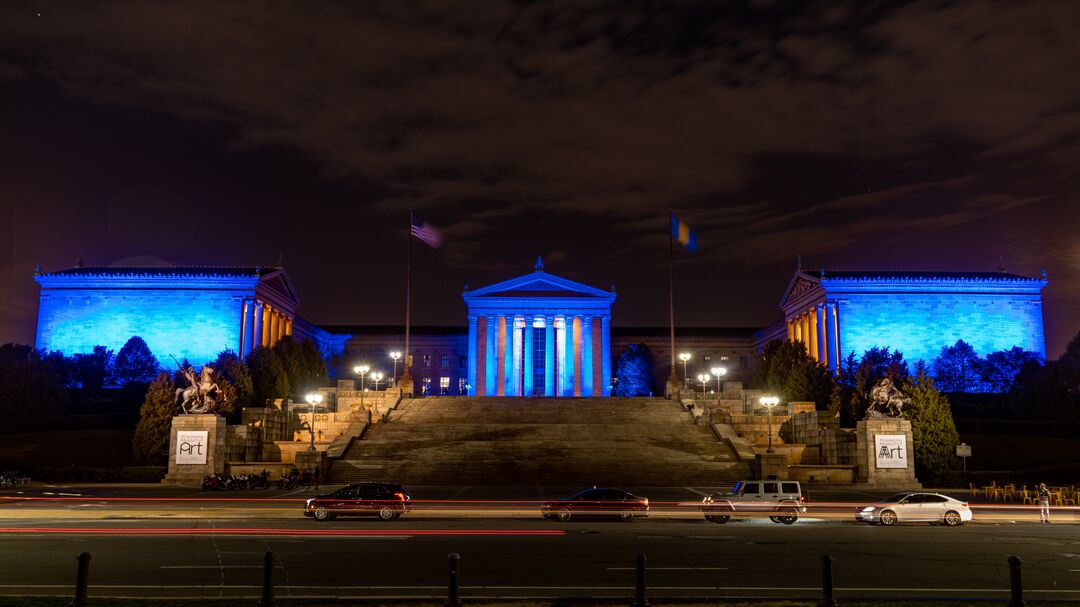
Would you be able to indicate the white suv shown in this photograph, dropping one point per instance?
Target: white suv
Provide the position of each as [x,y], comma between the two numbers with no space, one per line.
[781,501]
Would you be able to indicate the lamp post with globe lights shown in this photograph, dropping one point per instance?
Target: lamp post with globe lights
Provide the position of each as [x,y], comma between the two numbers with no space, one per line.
[704,379]
[377,377]
[769,402]
[685,357]
[313,399]
[396,356]
[718,372]
[361,370]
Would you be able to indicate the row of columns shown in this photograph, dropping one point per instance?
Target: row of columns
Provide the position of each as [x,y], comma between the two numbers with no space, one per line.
[502,352]
[262,325]
[818,328]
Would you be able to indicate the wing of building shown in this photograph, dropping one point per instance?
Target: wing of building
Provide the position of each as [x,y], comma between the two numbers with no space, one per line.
[836,313]
[183,312]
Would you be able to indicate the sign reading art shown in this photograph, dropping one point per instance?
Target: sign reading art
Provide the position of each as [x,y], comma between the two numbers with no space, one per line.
[891,450]
[191,446]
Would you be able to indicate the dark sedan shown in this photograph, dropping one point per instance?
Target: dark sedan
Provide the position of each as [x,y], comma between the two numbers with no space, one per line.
[387,501]
[597,502]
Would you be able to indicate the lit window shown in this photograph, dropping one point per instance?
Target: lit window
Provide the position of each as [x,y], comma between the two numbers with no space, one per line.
[426,389]
[461,385]
[444,385]
[427,361]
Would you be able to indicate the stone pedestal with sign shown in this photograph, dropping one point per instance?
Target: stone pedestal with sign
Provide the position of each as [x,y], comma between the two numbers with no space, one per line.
[885,457]
[196,448]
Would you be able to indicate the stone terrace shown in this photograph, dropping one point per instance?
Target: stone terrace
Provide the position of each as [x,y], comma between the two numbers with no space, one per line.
[523,441]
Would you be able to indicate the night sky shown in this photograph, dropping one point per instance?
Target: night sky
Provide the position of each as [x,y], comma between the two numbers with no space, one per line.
[882,135]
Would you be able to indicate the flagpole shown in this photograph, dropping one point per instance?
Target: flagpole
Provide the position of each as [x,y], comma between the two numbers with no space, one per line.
[406,376]
[673,380]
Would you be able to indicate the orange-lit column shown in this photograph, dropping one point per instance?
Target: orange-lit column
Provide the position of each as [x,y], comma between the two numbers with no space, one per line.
[790,331]
[500,365]
[813,345]
[264,338]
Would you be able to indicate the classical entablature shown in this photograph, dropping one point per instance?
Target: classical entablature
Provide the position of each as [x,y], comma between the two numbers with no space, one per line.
[539,334]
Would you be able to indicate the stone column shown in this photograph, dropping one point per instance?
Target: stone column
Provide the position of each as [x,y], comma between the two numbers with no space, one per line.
[516,356]
[472,354]
[245,328]
[839,334]
[605,352]
[549,355]
[804,324]
[264,334]
[790,331]
[577,355]
[288,325]
[491,355]
[812,345]
[823,334]
[566,358]
[529,368]
[830,330]
[586,357]
[256,325]
[503,363]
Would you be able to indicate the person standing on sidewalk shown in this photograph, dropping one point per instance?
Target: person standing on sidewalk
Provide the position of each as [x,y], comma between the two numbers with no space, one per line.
[1044,504]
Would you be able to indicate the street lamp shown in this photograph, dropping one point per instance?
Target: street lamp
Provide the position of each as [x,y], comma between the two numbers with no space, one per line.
[718,372]
[396,356]
[703,378]
[684,357]
[769,402]
[313,399]
[361,370]
[377,377]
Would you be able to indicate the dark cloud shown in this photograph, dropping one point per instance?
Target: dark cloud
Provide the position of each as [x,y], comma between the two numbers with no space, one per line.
[851,133]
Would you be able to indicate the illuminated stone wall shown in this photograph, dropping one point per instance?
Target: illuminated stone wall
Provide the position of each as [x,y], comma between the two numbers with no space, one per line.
[190,323]
[919,325]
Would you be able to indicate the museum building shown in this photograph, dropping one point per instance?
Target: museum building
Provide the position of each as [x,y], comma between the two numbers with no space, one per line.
[537,334]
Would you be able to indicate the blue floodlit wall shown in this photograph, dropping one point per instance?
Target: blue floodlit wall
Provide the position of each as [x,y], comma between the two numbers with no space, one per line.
[919,324]
[194,319]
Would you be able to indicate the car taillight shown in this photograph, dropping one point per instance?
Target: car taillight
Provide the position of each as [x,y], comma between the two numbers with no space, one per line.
[645,501]
[802,499]
[400,496]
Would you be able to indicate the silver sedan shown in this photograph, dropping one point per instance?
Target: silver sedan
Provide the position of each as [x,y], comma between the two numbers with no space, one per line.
[916,507]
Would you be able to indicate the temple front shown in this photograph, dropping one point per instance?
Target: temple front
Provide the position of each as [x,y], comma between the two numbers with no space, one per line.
[539,335]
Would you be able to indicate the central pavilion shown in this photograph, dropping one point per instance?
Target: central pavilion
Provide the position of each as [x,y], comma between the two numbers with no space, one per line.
[539,335]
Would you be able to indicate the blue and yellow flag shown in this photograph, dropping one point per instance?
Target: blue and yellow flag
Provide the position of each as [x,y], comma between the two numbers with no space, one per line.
[682,232]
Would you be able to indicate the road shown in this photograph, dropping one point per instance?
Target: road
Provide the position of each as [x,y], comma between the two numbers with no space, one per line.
[182,543]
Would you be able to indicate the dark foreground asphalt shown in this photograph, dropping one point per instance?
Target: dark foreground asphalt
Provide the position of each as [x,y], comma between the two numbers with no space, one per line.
[152,542]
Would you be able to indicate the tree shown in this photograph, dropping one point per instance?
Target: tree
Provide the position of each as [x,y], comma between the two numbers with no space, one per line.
[30,384]
[233,378]
[788,369]
[92,371]
[932,429]
[303,364]
[876,364]
[268,377]
[956,369]
[150,446]
[1000,368]
[634,372]
[134,364]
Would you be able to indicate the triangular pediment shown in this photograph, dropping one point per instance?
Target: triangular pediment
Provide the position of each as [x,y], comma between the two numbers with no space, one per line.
[538,284]
[801,283]
[277,282]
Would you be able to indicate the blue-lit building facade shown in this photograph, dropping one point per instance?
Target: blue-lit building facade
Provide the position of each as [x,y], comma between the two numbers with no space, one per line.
[539,335]
[189,313]
[835,313]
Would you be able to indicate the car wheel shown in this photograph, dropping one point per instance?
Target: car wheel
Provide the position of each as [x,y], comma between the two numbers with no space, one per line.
[789,516]
[626,517]
[563,515]
[887,518]
[321,514]
[952,518]
[720,518]
[387,513]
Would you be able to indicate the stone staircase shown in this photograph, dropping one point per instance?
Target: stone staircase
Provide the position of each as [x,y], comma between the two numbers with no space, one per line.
[523,441]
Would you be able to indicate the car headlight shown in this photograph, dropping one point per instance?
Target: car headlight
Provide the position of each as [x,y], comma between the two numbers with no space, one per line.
[869,509]
[307,504]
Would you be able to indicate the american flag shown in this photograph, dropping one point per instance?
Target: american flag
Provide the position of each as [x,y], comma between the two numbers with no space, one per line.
[426,233]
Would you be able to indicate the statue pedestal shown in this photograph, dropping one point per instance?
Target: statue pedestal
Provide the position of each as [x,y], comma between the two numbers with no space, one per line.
[884,455]
[196,448]
[405,384]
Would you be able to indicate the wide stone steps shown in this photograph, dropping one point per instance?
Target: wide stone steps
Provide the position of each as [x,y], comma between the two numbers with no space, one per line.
[493,441]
